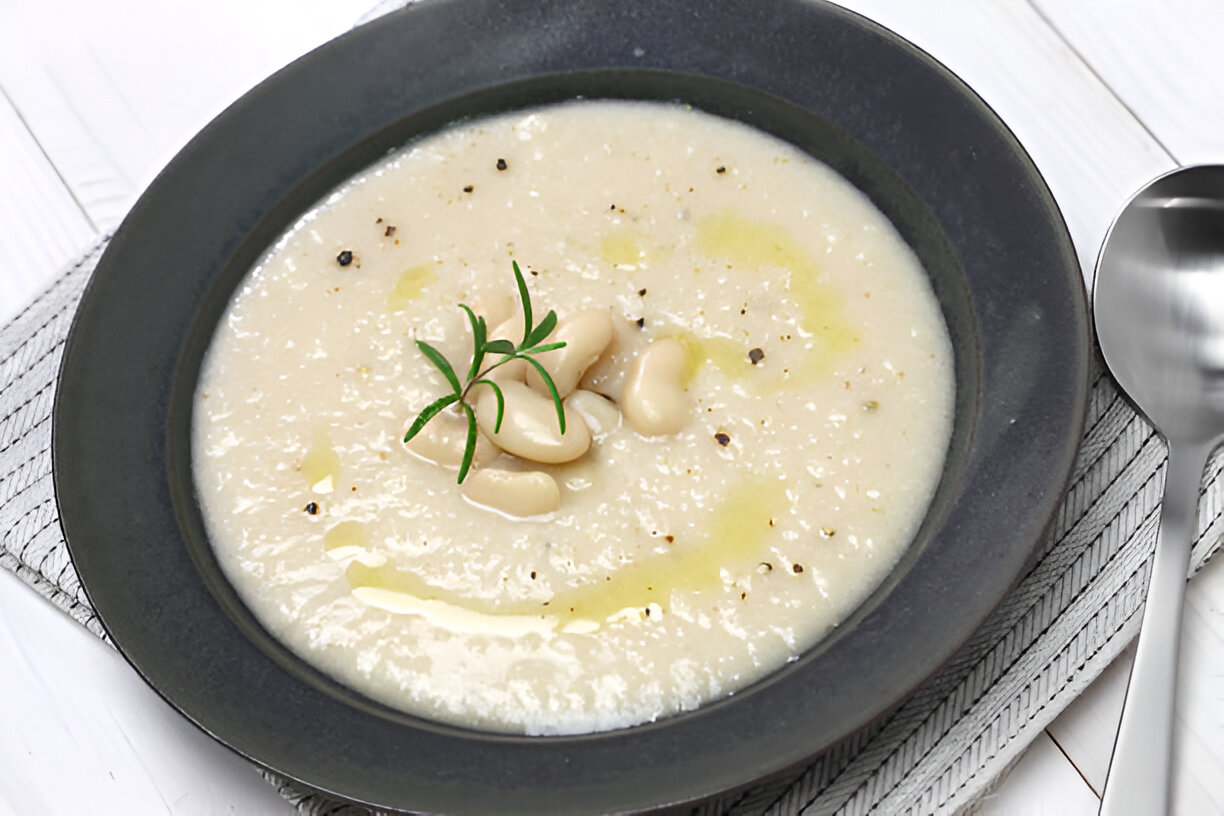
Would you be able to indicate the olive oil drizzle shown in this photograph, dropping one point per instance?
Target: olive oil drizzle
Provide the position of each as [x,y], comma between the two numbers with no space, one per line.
[748,245]
[736,540]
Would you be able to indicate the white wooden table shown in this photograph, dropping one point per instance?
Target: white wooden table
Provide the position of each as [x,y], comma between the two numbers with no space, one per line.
[96,97]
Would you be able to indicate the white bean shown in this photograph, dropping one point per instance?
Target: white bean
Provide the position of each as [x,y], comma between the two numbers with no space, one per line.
[586,334]
[515,370]
[529,428]
[444,440]
[607,374]
[498,309]
[518,493]
[654,402]
[601,414]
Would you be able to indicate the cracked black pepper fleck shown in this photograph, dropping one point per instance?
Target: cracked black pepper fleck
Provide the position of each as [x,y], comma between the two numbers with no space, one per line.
[501,164]
[345,258]
[722,439]
[312,509]
[756,355]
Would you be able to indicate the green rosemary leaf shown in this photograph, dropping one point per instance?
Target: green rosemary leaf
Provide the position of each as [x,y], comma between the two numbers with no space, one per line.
[478,340]
[470,450]
[552,390]
[542,349]
[537,335]
[431,410]
[532,344]
[501,402]
[500,347]
[526,298]
[438,360]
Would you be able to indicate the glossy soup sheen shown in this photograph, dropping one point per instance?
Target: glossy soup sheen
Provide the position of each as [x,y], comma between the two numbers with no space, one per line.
[677,568]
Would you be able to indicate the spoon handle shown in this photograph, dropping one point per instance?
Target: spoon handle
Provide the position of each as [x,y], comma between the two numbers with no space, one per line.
[1138,779]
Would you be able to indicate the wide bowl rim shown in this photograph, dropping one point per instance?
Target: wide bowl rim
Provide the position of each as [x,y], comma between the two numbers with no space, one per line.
[596,776]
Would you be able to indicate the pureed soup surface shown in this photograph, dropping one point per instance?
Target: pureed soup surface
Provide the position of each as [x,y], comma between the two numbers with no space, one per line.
[816,399]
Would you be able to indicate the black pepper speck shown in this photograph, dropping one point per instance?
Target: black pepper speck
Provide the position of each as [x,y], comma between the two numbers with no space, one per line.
[756,355]
[312,509]
[722,439]
[345,258]
[501,164]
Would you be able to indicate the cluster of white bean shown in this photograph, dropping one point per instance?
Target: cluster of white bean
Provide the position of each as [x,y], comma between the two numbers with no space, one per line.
[606,372]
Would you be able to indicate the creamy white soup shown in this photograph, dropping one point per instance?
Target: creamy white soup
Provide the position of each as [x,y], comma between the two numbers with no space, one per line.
[758,391]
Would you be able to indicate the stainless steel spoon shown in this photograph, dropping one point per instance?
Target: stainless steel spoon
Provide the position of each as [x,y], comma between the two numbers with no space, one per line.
[1158,304]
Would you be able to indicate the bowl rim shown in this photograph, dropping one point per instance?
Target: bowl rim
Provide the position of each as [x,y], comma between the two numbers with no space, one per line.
[119,401]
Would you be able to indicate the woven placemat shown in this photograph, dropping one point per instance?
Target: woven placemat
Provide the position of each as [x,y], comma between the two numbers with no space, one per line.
[1068,617]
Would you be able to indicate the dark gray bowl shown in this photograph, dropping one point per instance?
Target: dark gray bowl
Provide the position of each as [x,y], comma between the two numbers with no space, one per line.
[930,154]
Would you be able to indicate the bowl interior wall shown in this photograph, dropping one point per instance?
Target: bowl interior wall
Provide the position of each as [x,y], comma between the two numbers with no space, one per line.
[813,134]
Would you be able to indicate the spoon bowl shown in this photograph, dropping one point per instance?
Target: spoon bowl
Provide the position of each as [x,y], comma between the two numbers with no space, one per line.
[1158,305]
[1159,302]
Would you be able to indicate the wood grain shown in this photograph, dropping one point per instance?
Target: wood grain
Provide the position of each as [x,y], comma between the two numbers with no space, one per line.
[1043,782]
[1163,60]
[54,227]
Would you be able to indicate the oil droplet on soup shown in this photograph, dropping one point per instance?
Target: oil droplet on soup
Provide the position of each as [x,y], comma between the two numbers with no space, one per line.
[410,285]
[321,465]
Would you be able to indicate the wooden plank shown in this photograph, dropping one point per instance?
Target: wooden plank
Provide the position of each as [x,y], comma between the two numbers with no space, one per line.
[1043,782]
[111,110]
[127,750]
[1174,81]
[1198,749]
[1086,729]
[53,226]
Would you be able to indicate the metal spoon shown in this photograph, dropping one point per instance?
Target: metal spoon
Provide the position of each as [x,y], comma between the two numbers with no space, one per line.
[1158,304]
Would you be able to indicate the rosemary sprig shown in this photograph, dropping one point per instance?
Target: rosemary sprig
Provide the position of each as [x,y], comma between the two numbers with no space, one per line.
[533,337]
